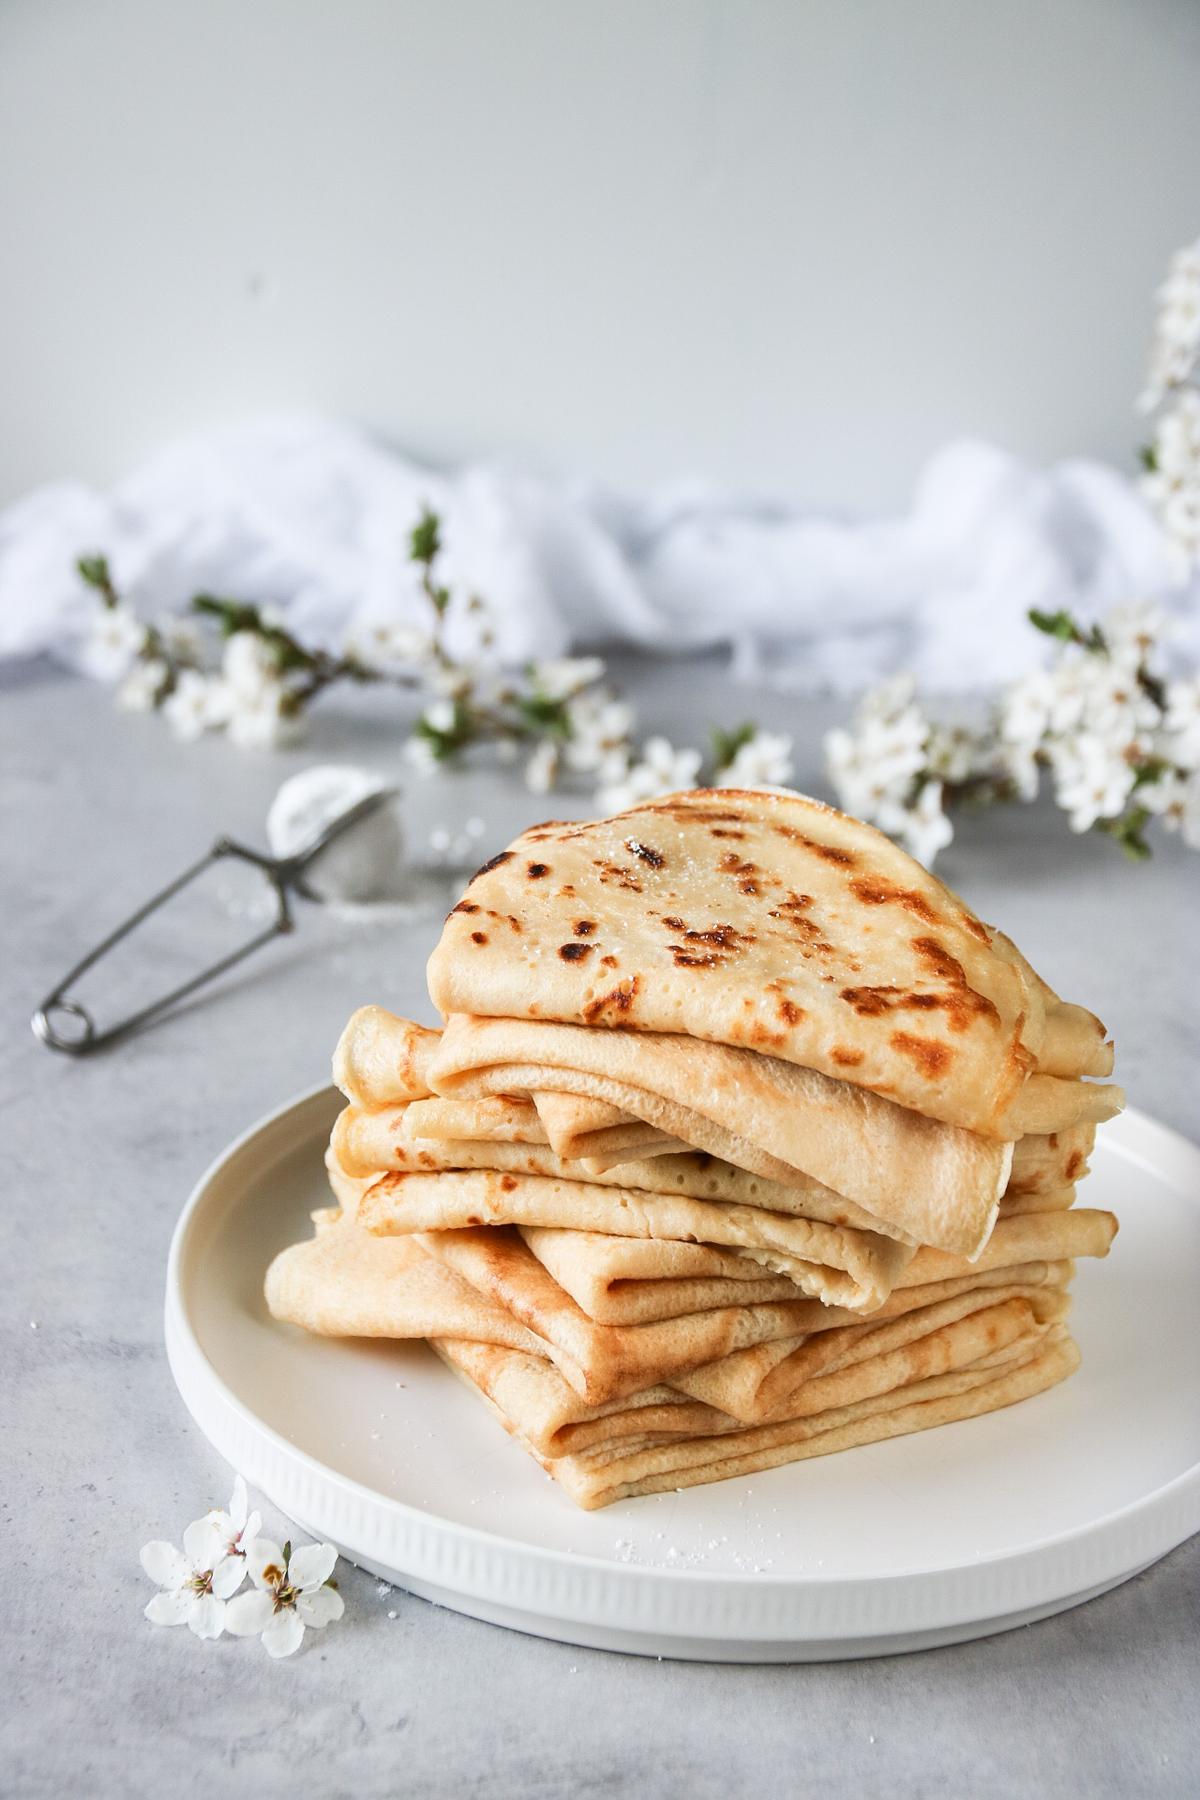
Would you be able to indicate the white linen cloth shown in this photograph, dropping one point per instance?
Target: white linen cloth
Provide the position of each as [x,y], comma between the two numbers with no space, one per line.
[312,516]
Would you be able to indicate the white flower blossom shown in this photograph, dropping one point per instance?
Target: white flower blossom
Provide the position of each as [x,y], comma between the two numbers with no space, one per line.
[1018,763]
[662,770]
[250,666]
[115,639]
[1091,782]
[1025,709]
[599,726]
[1176,344]
[441,716]
[563,677]
[198,703]
[1181,722]
[141,688]
[262,721]
[183,640]
[764,760]
[951,752]
[419,754]
[387,644]
[1172,486]
[195,1584]
[922,828]
[235,1525]
[290,1593]
[876,763]
[541,771]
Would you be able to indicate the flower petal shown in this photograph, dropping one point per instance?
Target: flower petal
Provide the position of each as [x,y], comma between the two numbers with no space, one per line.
[239,1504]
[164,1564]
[252,1527]
[262,1554]
[201,1544]
[249,1613]
[320,1606]
[206,1616]
[284,1634]
[227,1577]
[169,1609]
[312,1564]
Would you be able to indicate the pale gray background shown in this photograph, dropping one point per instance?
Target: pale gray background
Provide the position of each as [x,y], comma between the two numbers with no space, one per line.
[788,245]
[99,1454]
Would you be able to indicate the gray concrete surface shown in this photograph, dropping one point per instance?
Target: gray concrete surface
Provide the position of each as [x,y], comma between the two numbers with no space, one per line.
[99,1455]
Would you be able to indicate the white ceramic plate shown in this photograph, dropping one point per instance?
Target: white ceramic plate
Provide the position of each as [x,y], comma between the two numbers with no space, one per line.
[930,1539]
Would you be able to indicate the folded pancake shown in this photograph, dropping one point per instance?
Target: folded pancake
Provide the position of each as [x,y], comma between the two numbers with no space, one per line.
[835,1368]
[603,1362]
[630,1280]
[931,1182]
[373,1142]
[768,922]
[841,1267]
[619,1469]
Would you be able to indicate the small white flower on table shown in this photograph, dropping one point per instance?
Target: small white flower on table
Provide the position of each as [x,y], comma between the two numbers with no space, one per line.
[291,1592]
[235,1526]
[195,1583]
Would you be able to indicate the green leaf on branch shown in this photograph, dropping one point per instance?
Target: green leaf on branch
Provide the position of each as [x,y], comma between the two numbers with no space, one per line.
[446,742]
[726,744]
[95,571]
[1153,769]
[1148,457]
[1067,630]
[426,539]
[231,615]
[1129,831]
[543,716]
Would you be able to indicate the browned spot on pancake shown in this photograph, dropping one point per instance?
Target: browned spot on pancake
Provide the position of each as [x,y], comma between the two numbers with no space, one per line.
[759,1035]
[479,937]
[975,928]
[483,869]
[930,1057]
[844,859]
[708,948]
[721,831]
[474,1219]
[732,864]
[876,890]
[646,852]
[574,952]
[789,1012]
[618,1000]
[1054,1140]
[675,924]
[509,919]
[425,1158]
[704,815]
[873,1002]
[612,874]
[584,927]
[846,1059]
[962,1003]
[1074,1164]
[608,962]
[536,870]
[507,1184]
[464,906]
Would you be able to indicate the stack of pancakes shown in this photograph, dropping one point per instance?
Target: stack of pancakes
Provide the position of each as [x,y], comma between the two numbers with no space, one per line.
[743,1141]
